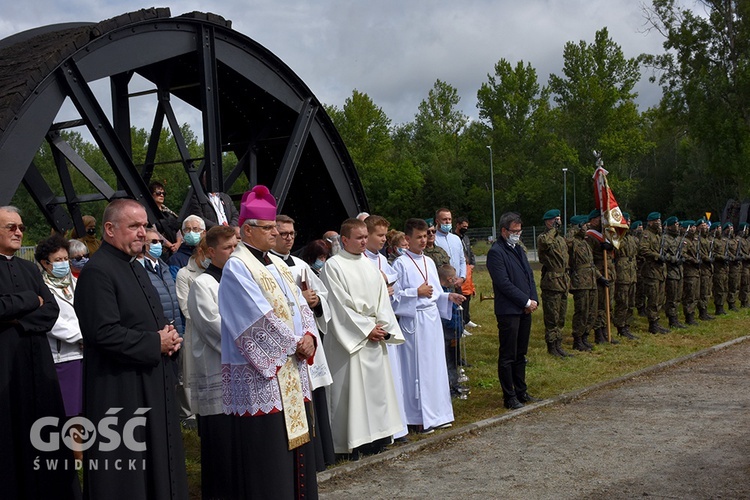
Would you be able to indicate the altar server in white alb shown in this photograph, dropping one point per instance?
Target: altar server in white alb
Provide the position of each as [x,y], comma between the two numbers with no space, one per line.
[267,341]
[420,303]
[377,227]
[363,403]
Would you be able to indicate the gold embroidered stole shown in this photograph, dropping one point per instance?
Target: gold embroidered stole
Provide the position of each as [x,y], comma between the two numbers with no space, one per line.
[288,376]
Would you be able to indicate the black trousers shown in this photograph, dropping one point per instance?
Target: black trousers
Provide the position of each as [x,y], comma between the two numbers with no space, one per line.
[514,331]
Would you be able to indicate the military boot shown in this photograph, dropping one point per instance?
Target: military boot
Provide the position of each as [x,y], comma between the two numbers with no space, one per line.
[578,344]
[675,323]
[703,315]
[586,343]
[690,319]
[552,350]
[599,336]
[558,346]
[624,331]
[654,327]
[732,307]
[720,310]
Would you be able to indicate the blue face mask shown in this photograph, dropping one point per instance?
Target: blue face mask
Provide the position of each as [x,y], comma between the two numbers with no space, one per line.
[78,264]
[60,269]
[401,251]
[446,228]
[191,238]
[318,264]
[154,250]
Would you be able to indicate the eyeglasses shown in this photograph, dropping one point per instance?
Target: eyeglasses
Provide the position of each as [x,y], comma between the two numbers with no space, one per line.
[196,230]
[80,257]
[12,228]
[431,231]
[517,231]
[160,193]
[154,242]
[288,236]
[269,227]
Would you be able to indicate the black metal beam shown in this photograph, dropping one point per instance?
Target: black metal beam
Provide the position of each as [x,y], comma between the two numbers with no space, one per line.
[45,199]
[66,181]
[121,109]
[189,165]
[104,135]
[153,144]
[293,152]
[210,105]
[56,142]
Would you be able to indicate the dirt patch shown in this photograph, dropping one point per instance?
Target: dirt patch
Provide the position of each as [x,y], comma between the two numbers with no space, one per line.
[681,432]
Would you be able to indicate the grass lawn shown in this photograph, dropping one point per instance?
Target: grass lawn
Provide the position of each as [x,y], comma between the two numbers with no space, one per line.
[547,376]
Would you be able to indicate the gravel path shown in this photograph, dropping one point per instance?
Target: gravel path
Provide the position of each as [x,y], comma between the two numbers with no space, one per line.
[678,432]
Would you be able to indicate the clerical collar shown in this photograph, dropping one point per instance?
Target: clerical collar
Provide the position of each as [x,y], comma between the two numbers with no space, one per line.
[287,258]
[259,254]
[9,257]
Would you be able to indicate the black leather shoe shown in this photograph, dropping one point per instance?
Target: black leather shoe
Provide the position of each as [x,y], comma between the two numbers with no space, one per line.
[527,398]
[513,404]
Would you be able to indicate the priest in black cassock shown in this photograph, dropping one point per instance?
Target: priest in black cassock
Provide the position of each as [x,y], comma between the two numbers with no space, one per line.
[29,389]
[128,368]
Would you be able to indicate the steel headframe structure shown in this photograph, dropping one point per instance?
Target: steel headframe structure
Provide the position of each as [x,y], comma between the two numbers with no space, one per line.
[251,104]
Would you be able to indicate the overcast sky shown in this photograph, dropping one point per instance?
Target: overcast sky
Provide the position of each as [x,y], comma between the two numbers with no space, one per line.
[394,51]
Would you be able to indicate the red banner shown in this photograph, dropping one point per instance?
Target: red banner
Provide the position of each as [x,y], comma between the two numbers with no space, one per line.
[613,224]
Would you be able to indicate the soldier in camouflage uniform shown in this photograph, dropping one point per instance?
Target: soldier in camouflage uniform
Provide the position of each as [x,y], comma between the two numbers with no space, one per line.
[721,268]
[599,246]
[636,229]
[691,272]
[553,256]
[735,267]
[654,271]
[705,251]
[672,253]
[583,278]
[745,257]
[626,272]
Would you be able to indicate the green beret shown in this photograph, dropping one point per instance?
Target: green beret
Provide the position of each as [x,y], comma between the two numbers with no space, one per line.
[551,214]
[727,224]
[430,222]
[636,224]
[715,225]
[743,225]
[700,221]
[687,223]
[594,214]
[626,215]
[578,220]
[653,216]
[671,221]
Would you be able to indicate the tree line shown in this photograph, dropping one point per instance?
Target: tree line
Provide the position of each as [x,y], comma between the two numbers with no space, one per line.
[685,156]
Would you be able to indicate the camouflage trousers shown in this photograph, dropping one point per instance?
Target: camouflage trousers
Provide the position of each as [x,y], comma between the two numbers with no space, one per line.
[733,283]
[673,291]
[721,281]
[690,293]
[601,311]
[584,311]
[706,284]
[654,292]
[624,304]
[554,307]
[745,285]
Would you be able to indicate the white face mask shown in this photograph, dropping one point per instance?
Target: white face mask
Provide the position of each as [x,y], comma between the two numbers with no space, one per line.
[513,239]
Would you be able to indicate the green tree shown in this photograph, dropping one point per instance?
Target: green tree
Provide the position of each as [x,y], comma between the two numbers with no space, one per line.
[597,108]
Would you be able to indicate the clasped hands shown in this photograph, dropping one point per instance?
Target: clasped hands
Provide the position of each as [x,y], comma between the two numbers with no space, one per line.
[531,307]
[170,340]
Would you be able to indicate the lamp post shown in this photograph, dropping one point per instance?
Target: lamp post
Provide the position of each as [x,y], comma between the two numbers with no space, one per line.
[575,205]
[492,187]
[565,201]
